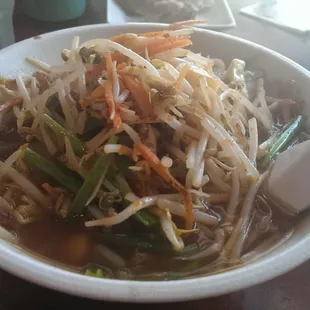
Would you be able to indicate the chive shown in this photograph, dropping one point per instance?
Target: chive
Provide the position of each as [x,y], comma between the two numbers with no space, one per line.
[142,216]
[123,163]
[94,271]
[143,245]
[282,142]
[91,181]
[60,132]
[146,218]
[61,174]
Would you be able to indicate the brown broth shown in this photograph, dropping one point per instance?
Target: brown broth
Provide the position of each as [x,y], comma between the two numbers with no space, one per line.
[66,242]
[70,245]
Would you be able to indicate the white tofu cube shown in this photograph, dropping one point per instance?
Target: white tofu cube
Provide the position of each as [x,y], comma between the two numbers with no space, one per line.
[289,182]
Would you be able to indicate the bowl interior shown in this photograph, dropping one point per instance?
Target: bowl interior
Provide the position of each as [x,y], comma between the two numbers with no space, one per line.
[278,71]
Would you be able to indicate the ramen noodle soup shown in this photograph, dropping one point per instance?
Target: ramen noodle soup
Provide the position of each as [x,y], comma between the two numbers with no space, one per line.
[139,159]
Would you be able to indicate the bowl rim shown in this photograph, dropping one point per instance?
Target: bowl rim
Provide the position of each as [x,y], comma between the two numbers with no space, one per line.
[34,270]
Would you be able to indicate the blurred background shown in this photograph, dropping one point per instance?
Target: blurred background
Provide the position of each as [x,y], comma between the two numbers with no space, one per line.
[282,25]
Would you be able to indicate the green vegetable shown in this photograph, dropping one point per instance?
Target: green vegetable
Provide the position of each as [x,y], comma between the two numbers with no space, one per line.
[87,52]
[143,243]
[282,142]
[97,273]
[94,271]
[139,243]
[91,181]
[143,216]
[61,174]
[123,274]
[146,218]
[123,163]
[60,132]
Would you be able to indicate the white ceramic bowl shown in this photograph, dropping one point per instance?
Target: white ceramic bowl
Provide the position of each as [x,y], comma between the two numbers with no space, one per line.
[284,258]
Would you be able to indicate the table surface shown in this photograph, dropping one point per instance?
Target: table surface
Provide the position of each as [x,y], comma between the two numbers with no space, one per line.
[288,292]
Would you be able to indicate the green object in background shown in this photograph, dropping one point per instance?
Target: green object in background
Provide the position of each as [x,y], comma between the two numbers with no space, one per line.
[54,10]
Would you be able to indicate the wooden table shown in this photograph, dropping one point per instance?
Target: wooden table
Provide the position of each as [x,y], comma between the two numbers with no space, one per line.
[288,292]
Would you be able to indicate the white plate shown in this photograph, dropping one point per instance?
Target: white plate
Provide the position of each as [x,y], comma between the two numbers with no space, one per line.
[289,255]
[219,15]
[287,14]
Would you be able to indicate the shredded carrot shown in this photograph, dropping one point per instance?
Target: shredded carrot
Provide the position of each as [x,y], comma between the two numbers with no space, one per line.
[97,93]
[154,33]
[99,99]
[113,106]
[117,121]
[117,39]
[154,46]
[47,187]
[86,102]
[169,45]
[124,150]
[120,38]
[109,63]
[157,45]
[140,46]
[109,86]
[142,101]
[97,69]
[179,25]
[109,98]
[157,166]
